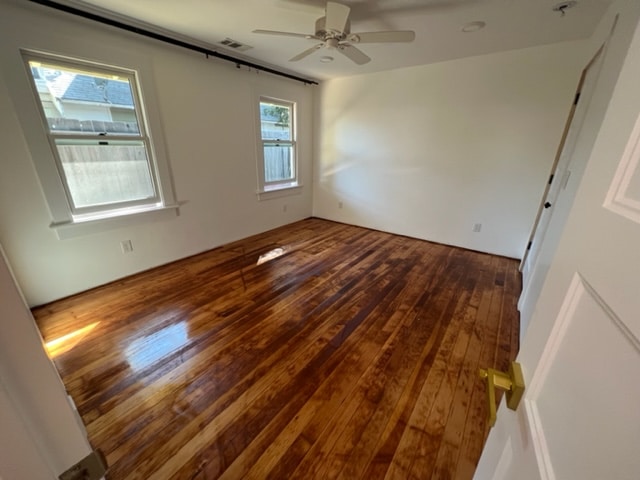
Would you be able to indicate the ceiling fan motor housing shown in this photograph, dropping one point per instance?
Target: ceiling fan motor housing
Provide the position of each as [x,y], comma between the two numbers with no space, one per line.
[334,32]
[323,33]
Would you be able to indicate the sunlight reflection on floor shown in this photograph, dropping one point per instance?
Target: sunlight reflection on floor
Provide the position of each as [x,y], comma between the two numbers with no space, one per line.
[143,352]
[67,342]
[271,255]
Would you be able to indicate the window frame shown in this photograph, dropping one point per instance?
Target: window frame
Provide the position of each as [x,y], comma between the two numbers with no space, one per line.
[49,165]
[265,186]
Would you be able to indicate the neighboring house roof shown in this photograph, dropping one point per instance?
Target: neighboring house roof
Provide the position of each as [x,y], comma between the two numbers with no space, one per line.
[85,88]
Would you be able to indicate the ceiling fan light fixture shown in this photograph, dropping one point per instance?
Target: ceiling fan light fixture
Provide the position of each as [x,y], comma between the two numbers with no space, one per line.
[332,43]
[326,59]
[334,32]
[473,26]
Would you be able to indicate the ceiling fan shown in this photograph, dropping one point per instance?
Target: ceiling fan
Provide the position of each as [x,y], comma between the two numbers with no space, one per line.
[334,32]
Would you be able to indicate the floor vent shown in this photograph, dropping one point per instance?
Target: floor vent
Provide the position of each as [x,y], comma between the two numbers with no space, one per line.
[230,43]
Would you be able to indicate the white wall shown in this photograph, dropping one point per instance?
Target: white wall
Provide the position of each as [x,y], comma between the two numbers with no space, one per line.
[40,434]
[614,55]
[430,151]
[19,456]
[206,109]
[607,129]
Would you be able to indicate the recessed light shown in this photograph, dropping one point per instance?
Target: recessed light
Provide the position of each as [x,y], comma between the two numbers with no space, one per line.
[326,59]
[473,26]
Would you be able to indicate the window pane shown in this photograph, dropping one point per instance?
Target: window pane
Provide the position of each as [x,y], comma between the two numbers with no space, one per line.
[275,121]
[80,101]
[278,162]
[98,174]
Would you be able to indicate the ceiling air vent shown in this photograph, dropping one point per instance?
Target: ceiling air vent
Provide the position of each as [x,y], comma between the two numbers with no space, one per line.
[230,43]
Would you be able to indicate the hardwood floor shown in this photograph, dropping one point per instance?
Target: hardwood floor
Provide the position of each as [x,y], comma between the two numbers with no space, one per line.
[352,355]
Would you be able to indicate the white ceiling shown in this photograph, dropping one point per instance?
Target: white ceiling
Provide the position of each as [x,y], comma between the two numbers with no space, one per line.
[510,24]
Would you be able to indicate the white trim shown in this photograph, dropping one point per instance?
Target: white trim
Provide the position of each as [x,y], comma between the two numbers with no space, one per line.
[617,199]
[545,467]
[577,290]
[279,192]
[19,84]
[96,225]
[563,320]
[264,187]
[54,136]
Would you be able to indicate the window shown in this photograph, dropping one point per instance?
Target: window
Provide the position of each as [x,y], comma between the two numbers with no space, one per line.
[278,167]
[96,129]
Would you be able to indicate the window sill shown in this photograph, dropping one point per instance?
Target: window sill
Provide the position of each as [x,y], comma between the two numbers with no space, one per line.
[280,191]
[79,228]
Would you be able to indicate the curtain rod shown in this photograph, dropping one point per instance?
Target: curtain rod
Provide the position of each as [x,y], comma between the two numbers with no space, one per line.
[167,39]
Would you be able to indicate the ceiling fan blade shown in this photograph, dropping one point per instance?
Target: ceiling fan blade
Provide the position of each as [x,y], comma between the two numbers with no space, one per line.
[336,17]
[285,34]
[353,54]
[306,53]
[311,6]
[383,37]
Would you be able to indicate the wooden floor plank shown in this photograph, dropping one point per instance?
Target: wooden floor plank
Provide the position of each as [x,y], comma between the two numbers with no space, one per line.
[398,372]
[332,389]
[353,354]
[431,408]
[445,465]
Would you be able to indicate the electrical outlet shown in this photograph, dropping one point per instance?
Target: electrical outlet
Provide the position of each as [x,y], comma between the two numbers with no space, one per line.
[126,246]
[284,208]
[477,227]
[339,204]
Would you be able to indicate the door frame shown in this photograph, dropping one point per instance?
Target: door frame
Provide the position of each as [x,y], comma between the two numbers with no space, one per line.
[45,417]
[545,232]
[560,152]
[507,445]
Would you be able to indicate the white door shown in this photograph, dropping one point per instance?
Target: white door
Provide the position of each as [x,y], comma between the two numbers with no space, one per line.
[534,265]
[580,416]
[41,435]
